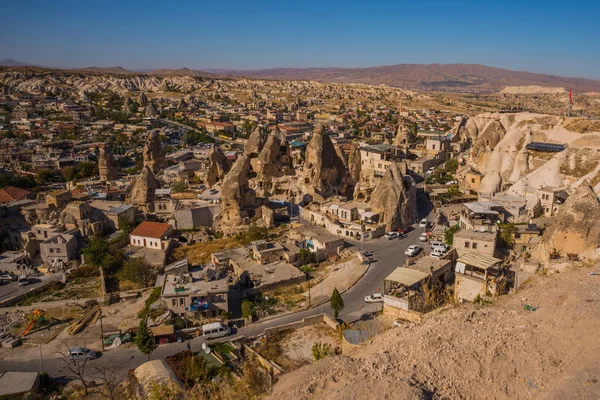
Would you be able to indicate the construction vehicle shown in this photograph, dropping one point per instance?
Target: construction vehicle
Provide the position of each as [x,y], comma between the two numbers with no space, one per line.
[38,318]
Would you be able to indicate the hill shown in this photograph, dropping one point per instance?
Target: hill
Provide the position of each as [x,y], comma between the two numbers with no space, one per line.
[432,77]
[501,351]
[9,62]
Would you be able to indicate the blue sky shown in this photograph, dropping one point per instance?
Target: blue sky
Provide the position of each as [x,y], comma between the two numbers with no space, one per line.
[561,38]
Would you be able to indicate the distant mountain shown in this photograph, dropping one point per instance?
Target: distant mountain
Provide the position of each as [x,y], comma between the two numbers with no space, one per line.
[9,62]
[436,77]
[182,72]
[105,70]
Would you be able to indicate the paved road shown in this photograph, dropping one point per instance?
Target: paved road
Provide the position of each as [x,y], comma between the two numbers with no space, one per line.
[13,289]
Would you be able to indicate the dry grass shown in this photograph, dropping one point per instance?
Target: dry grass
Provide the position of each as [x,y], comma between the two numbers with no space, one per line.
[200,253]
[581,125]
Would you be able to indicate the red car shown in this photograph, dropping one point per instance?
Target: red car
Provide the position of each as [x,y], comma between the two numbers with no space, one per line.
[404,230]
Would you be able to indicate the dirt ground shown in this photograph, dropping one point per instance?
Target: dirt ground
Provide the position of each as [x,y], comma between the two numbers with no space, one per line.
[298,345]
[341,276]
[119,316]
[501,351]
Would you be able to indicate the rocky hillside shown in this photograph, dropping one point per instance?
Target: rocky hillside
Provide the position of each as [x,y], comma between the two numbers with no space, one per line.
[437,77]
[475,352]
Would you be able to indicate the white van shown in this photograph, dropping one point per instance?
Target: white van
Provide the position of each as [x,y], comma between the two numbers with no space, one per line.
[442,247]
[215,330]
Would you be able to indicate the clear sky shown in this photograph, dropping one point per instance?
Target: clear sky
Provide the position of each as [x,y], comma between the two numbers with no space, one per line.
[557,37]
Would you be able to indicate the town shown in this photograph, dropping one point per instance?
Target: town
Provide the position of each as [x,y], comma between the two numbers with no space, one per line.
[175,231]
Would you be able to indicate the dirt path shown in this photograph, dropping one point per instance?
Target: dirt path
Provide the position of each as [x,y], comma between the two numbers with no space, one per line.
[501,351]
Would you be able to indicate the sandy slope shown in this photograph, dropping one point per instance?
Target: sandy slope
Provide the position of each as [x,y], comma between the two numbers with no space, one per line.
[476,352]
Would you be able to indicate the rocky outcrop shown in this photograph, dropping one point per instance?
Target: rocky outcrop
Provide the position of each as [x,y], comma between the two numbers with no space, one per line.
[255,143]
[218,166]
[127,104]
[153,153]
[143,100]
[107,168]
[325,172]
[354,163]
[395,199]
[403,136]
[575,228]
[236,196]
[274,161]
[142,192]
[151,111]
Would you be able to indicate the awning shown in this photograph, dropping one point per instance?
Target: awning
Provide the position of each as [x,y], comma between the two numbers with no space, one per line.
[478,260]
[162,330]
[406,276]
[369,214]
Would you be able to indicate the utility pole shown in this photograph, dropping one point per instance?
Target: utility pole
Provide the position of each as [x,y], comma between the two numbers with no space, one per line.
[322,300]
[41,356]
[101,330]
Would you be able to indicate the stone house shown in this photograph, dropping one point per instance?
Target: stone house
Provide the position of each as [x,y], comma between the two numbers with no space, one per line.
[62,247]
[475,241]
[267,252]
[58,198]
[152,235]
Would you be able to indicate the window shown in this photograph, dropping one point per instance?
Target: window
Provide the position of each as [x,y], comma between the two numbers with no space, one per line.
[51,250]
[173,302]
[474,245]
[182,301]
[433,146]
[472,180]
[467,245]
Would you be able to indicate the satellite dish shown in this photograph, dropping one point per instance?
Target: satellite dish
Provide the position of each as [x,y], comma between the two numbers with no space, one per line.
[207,350]
[203,346]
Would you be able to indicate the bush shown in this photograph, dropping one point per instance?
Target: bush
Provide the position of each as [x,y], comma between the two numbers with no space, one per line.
[138,271]
[449,234]
[321,350]
[248,309]
[85,271]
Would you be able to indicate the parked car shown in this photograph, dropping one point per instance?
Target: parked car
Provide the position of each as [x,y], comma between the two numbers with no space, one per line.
[367,253]
[374,298]
[23,280]
[81,354]
[437,254]
[405,229]
[439,246]
[213,191]
[423,237]
[5,279]
[391,235]
[215,330]
[412,250]
[423,223]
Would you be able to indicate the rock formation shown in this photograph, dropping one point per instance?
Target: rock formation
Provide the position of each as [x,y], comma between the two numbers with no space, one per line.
[153,153]
[354,163]
[151,111]
[127,104]
[325,173]
[218,166]
[395,199]
[106,164]
[274,161]
[255,143]
[403,136]
[143,100]
[236,196]
[575,228]
[142,192]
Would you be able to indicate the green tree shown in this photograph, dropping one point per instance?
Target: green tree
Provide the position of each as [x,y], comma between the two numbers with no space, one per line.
[68,173]
[507,232]
[144,340]
[138,271]
[96,251]
[306,256]
[179,186]
[337,303]
[449,234]
[452,165]
[248,309]
[44,176]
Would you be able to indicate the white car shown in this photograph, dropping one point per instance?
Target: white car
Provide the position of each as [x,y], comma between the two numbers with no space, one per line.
[423,223]
[412,250]
[398,323]
[423,237]
[374,298]
[437,254]
[392,235]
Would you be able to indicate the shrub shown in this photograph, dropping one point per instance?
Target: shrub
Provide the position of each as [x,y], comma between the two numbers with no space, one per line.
[321,350]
